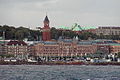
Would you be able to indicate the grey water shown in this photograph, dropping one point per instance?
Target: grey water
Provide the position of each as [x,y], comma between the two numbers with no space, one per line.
[59,72]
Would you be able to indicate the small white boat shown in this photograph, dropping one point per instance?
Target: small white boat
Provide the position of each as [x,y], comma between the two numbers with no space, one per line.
[30,60]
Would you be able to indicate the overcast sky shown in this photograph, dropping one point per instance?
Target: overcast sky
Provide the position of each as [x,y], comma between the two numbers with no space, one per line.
[31,13]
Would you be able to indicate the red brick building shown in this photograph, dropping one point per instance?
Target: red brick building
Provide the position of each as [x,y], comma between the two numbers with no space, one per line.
[86,49]
[46,30]
[64,48]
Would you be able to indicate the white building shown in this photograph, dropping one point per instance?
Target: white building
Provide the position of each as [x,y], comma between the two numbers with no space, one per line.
[108,31]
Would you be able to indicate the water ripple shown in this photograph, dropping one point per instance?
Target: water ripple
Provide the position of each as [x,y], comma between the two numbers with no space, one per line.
[59,72]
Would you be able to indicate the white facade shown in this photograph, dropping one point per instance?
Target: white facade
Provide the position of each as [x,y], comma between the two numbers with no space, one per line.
[108,31]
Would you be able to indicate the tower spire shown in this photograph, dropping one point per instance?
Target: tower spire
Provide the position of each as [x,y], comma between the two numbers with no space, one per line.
[46,13]
[46,30]
[46,19]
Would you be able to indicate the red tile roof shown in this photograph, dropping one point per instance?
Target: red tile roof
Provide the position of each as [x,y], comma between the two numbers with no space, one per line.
[16,42]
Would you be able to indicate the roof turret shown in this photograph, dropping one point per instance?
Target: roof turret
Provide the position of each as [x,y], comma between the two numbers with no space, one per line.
[46,19]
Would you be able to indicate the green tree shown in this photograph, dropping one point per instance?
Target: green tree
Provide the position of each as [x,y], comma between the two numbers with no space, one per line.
[19,35]
[87,35]
[118,55]
[54,33]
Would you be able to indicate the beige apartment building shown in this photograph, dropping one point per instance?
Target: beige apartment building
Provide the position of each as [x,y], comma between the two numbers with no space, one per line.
[17,48]
[108,31]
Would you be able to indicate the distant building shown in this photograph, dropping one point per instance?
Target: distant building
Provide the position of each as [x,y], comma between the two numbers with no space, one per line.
[31,50]
[3,47]
[62,47]
[17,48]
[47,48]
[90,30]
[108,31]
[114,48]
[69,47]
[103,48]
[46,36]
[86,49]
[78,29]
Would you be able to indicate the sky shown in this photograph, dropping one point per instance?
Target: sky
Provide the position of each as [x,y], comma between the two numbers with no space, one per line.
[31,13]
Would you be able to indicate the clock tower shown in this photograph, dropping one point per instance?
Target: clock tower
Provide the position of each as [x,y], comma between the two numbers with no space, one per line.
[46,36]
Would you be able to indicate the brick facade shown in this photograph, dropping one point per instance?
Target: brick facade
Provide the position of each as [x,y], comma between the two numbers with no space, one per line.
[46,36]
[61,48]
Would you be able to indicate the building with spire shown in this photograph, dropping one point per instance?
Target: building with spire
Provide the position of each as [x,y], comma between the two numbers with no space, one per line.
[46,36]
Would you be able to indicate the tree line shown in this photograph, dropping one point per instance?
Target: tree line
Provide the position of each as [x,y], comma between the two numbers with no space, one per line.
[56,33]
[84,35]
[21,33]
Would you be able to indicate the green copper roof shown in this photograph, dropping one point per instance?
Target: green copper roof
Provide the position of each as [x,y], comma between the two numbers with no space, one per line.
[76,27]
[1,38]
[88,27]
[115,44]
[64,27]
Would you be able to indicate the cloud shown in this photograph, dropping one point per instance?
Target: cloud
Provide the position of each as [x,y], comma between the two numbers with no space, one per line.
[61,12]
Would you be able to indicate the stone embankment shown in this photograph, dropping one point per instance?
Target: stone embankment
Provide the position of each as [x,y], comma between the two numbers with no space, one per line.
[57,63]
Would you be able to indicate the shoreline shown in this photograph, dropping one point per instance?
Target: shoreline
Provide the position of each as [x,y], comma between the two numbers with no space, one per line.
[58,63]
